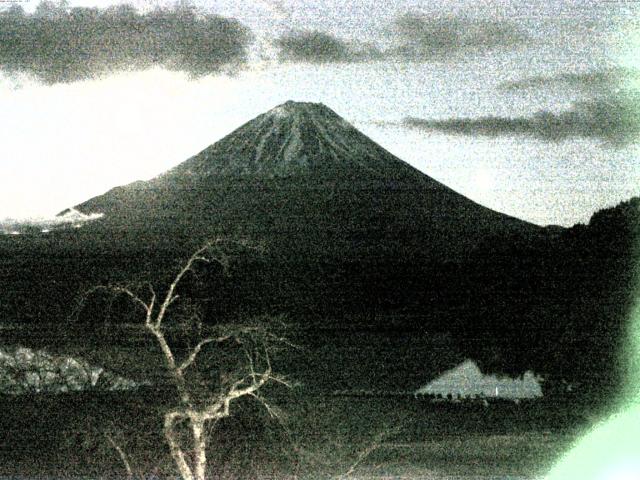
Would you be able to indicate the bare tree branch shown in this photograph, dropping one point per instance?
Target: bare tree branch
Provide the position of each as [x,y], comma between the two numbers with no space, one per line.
[271,410]
[147,307]
[196,350]
[196,408]
[170,296]
[122,455]
[170,420]
[372,447]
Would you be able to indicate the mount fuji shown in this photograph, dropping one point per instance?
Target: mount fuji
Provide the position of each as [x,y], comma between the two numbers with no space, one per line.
[301,179]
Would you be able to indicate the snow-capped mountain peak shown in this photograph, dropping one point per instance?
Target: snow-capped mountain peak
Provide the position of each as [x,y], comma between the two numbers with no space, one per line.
[292,138]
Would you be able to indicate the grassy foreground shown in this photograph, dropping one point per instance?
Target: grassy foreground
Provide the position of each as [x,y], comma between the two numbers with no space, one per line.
[315,436]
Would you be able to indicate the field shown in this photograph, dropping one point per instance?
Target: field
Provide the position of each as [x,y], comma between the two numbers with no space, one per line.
[69,435]
[317,434]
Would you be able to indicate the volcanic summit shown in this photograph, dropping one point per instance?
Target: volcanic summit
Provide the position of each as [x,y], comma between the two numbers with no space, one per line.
[301,177]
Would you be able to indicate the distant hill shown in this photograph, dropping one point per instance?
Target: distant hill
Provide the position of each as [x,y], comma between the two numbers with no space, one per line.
[560,304]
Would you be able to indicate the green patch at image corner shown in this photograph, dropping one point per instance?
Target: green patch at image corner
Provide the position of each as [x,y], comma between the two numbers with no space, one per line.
[630,396]
[611,449]
[631,393]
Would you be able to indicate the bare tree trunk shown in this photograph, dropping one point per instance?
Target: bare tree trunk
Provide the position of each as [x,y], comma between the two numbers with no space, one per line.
[200,447]
[176,452]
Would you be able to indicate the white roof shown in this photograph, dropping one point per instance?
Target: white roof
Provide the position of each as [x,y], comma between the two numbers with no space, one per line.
[466,380]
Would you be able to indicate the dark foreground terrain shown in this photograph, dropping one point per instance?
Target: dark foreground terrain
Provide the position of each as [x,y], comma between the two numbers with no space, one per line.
[315,436]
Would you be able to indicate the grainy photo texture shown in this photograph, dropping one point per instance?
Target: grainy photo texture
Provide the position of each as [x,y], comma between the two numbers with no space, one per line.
[300,239]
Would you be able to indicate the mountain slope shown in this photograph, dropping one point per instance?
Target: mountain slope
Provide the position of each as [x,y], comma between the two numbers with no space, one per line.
[299,177]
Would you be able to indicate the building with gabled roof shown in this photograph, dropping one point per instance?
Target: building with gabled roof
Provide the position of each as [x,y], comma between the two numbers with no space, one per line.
[467,381]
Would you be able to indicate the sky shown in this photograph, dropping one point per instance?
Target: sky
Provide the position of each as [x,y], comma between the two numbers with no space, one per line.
[531,108]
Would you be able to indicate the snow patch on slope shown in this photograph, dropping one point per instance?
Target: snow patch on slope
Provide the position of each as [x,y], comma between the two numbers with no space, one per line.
[281,111]
[333,134]
[75,216]
[70,218]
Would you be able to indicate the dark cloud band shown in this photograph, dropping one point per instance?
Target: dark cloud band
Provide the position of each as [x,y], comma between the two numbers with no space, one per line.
[58,44]
[614,119]
[602,80]
[413,37]
[419,37]
[313,46]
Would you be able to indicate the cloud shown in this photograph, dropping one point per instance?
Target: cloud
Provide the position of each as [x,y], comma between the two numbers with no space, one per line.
[419,37]
[614,119]
[313,46]
[602,80]
[412,37]
[60,44]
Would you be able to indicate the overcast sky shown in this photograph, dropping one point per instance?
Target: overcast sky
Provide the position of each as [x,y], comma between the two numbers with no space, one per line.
[528,107]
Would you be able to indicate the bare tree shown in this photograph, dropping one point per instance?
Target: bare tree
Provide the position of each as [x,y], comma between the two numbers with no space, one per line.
[202,402]
[363,454]
[121,454]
